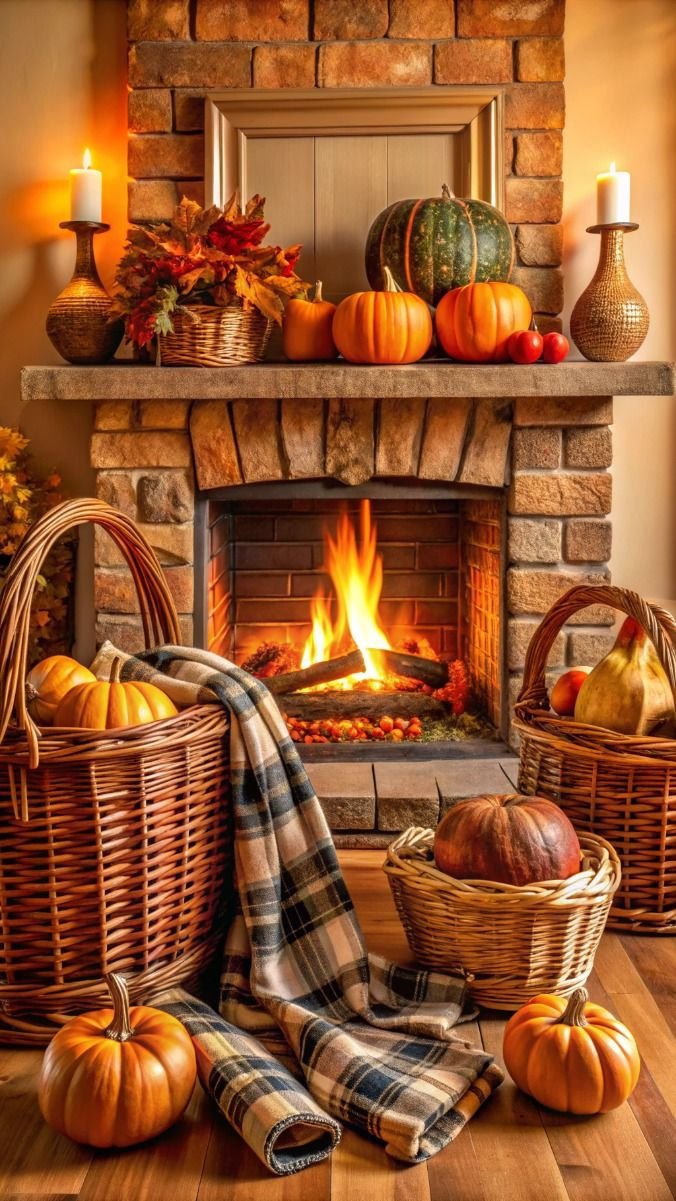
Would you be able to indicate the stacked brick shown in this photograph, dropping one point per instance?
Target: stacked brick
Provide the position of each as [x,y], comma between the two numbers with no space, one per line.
[179,49]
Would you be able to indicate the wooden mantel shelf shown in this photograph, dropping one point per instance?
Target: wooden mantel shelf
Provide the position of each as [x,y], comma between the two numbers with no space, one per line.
[127,381]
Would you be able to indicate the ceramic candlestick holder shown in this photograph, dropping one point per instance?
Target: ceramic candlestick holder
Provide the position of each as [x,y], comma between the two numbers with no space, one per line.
[610,320]
[77,321]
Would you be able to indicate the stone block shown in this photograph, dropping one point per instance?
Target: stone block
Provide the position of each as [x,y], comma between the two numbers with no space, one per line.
[533,541]
[535,106]
[189,65]
[460,778]
[213,445]
[168,497]
[148,21]
[540,245]
[188,110]
[400,428]
[587,541]
[534,591]
[350,440]
[302,431]
[539,153]
[588,447]
[242,21]
[519,636]
[561,495]
[150,110]
[256,425]
[113,415]
[173,545]
[494,18]
[480,60]
[563,410]
[487,446]
[536,448]
[543,287]
[163,414]
[284,67]
[346,792]
[127,450]
[114,590]
[126,632]
[586,648]
[446,423]
[166,155]
[406,795]
[540,60]
[117,488]
[375,64]
[410,19]
[346,20]
[533,200]
[152,199]
[548,324]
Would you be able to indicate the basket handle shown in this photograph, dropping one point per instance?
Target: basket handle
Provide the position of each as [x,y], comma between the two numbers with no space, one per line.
[158,613]
[658,623]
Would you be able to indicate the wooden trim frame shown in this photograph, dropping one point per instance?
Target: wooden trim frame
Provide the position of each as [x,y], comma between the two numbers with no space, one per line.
[233,117]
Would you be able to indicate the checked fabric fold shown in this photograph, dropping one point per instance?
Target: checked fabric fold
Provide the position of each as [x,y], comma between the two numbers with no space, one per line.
[311,1031]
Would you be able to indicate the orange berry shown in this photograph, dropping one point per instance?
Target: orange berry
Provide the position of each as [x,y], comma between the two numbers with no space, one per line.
[397,735]
[386,724]
[353,734]
[400,723]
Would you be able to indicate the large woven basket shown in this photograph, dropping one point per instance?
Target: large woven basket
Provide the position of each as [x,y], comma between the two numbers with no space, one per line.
[115,847]
[620,786]
[209,336]
[509,942]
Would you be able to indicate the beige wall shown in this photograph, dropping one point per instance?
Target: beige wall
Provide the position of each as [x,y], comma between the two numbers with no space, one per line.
[620,67]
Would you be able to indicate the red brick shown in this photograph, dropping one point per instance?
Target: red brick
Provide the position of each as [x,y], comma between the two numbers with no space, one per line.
[534,200]
[166,155]
[438,612]
[281,609]
[437,554]
[480,60]
[416,583]
[161,64]
[252,20]
[151,21]
[306,583]
[539,153]
[410,19]
[540,245]
[189,110]
[497,18]
[543,287]
[273,558]
[540,60]
[535,106]
[284,67]
[150,110]
[261,583]
[370,64]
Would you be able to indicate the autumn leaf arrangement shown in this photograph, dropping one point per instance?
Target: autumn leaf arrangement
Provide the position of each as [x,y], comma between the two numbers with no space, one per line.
[202,257]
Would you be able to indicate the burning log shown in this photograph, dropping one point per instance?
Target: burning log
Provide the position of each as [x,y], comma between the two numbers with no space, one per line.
[411,667]
[414,667]
[320,705]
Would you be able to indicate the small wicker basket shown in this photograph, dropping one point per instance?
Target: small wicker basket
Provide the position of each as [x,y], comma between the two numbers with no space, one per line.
[210,336]
[509,942]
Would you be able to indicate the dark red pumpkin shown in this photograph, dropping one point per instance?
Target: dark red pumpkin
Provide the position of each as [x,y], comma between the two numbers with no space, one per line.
[509,839]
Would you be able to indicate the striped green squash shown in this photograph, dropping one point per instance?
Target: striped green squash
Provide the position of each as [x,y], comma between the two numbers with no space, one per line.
[437,244]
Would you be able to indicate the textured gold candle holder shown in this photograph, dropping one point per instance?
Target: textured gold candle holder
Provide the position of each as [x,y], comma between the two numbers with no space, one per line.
[611,319]
[77,321]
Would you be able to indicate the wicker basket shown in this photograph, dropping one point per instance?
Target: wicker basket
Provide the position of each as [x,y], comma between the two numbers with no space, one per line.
[620,786]
[209,336]
[509,942]
[115,848]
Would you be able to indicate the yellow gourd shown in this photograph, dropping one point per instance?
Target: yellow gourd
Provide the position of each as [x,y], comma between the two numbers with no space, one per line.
[628,691]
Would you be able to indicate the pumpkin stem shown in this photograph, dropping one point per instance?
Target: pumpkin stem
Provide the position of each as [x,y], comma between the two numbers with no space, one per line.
[446,193]
[573,1014]
[120,1028]
[115,667]
[318,290]
[391,284]
[31,693]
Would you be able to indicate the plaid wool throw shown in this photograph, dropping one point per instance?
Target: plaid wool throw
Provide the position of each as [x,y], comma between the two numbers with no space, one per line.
[311,1031]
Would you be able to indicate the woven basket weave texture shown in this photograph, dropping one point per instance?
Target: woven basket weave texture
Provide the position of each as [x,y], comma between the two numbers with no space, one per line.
[209,336]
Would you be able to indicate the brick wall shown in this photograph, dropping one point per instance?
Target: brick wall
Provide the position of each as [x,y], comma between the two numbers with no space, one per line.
[181,48]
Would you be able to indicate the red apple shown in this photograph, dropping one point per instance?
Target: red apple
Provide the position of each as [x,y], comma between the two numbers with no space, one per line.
[555,348]
[565,690]
[525,346]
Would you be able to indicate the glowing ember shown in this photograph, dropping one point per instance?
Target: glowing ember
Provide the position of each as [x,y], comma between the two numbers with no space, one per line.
[356,571]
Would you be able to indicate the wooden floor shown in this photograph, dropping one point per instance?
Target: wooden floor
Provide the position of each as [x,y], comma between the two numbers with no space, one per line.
[511,1151]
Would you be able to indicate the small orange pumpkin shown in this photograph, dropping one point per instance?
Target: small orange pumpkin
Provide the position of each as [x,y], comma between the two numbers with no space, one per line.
[114,1078]
[112,704]
[571,1054]
[474,323]
[306,329]
[48,682]
[383,327]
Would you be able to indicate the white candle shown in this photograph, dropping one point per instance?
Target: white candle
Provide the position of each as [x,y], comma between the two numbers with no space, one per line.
[612,197]
[85,191]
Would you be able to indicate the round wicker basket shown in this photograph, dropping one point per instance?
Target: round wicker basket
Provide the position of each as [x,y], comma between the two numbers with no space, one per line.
[209,336]
[116,846]
[509,942]
[620,786]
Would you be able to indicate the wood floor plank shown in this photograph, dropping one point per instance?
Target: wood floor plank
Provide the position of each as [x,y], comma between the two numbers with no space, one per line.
[233,1173]
[455,1173]
[370,892]
[362,1171]
[34,1159]
[655,961]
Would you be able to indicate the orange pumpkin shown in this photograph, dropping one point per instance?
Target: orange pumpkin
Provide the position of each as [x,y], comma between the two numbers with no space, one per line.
[306,329]
[474,323]
[112,705]
[116,1077]
[383,327]
[571,1054]
[49,681]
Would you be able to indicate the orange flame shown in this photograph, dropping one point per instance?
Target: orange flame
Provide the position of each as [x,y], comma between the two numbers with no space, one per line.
[357,575]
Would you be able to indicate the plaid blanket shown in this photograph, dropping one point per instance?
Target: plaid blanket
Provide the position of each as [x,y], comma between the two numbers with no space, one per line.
[311,1031]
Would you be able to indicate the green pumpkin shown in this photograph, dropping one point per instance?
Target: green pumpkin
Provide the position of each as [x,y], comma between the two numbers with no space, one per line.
[437,244]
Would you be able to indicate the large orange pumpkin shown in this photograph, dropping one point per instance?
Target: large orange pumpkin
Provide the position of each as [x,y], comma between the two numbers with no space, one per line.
[112,705]
[474,323]
[116,1077]
[382,327]
[48,682]
[571,1054]
[306,329]
[510,839]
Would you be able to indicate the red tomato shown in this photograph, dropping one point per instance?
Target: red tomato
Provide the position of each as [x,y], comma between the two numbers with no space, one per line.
[555,349]
[525,346]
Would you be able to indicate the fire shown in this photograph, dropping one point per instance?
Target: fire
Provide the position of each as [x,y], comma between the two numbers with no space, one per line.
[356,570]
